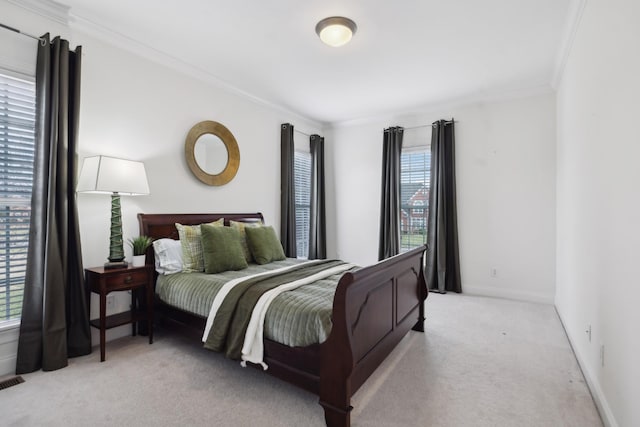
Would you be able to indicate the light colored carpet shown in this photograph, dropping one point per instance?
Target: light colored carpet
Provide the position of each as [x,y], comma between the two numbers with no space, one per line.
[482,362]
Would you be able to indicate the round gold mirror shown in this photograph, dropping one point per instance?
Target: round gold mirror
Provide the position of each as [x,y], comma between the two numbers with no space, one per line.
[212,153]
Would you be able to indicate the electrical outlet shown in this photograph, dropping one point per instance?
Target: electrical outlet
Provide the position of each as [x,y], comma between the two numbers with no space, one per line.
[494,272]
[588,332]
[111,299]
[602,354]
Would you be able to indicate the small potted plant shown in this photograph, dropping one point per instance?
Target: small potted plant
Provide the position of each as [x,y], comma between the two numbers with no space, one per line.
[140,245]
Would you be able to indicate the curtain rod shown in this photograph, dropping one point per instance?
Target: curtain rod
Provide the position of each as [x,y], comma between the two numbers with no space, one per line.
[305,134]
[446,122]
[15,30]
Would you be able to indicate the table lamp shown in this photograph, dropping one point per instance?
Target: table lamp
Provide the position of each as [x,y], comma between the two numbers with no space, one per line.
[118,177]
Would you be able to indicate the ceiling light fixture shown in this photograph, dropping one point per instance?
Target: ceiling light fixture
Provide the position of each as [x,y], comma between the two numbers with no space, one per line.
[336,30]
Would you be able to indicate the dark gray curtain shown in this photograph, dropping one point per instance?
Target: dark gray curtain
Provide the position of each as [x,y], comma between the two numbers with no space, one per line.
[55,317]
[317,221]
[443,259]
[389,244]
[287,192]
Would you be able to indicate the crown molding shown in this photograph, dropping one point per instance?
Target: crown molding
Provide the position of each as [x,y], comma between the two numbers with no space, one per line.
[63,14]
[445,107]
[49,9]
[122,41]
[574,16]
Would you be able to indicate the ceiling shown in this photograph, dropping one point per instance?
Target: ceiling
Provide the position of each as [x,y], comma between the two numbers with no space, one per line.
[407,55]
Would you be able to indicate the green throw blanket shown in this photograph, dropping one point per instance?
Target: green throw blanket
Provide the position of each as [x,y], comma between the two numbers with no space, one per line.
[233,316]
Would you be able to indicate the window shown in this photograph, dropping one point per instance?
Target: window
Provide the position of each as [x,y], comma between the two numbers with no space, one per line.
[302,177]
[415,171]
[17,131]
[418,211]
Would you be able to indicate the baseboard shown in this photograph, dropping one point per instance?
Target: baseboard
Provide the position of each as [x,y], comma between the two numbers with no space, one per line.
[8,350]
[110,335]
[592,382]
[9,345]
[488,291]
[8,365]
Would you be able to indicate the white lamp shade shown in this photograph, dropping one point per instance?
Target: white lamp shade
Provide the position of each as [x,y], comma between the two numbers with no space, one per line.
[102,174]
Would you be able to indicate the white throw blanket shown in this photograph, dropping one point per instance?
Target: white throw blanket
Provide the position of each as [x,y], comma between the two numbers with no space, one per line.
[253,348]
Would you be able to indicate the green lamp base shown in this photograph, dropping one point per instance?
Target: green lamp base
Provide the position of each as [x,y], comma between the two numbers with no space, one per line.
[116,251]
[116,264]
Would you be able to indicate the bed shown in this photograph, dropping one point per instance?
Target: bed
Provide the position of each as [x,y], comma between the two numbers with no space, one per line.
[373,309]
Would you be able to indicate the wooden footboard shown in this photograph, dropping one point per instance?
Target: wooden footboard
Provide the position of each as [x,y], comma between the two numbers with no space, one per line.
[373,309]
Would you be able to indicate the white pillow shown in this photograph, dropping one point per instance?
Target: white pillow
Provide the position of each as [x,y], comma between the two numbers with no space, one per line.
[168,255]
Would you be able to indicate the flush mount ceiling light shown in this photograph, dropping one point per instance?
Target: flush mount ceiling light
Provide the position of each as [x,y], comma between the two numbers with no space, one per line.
[336,30]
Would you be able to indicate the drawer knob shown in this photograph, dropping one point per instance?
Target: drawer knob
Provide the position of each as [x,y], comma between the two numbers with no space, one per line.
[128,279]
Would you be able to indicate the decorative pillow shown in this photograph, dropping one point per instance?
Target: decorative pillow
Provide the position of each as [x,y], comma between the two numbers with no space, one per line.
[264,244]
[240,226]
[222,250]
[192,259]
[168,256]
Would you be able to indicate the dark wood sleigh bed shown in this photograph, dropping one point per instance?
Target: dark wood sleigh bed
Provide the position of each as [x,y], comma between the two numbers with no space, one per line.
[373,309]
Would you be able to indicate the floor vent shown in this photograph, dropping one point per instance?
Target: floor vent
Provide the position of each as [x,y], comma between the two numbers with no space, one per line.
[11,382]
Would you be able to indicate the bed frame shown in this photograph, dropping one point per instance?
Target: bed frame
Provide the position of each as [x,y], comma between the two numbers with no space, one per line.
[373,309]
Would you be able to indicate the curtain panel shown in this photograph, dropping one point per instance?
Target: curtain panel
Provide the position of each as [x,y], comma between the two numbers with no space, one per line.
[55,315]
[317,220]
[287,192]
[443,259]
[389,243]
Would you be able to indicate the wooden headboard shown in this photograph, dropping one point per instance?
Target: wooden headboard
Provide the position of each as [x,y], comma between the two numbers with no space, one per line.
[158,226]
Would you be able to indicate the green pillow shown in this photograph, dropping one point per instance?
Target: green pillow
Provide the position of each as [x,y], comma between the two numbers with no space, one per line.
[192,260]
[222,250]
[264,244]
[240,226]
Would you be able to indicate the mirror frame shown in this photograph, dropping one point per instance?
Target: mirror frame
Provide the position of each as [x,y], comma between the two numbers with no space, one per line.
[233,152]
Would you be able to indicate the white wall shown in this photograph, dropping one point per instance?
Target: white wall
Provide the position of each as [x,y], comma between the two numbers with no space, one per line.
[137,109]
[134,108]
[598,204]
[505,165]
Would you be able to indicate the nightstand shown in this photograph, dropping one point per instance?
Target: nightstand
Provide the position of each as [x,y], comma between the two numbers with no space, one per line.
[132,279]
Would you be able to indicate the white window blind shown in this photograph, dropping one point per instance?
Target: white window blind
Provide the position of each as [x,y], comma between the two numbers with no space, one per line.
[302,178]
[17,131]
[415,175]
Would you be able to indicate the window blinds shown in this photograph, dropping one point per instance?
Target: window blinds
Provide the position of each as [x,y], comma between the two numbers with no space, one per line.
[17,132]
[415,176]
[302,178]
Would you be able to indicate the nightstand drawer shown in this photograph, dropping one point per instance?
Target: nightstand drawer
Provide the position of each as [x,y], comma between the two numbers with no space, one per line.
[126,279]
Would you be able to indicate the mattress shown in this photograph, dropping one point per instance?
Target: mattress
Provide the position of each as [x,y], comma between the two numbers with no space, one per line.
[297,318]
